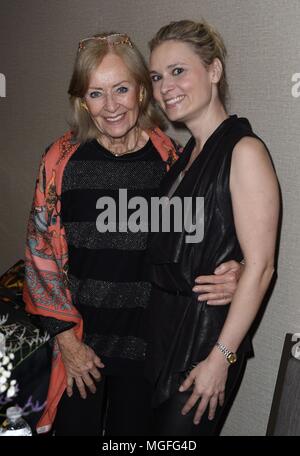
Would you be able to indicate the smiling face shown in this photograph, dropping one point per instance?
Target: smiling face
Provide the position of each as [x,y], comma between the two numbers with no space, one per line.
[112,98]
[182,85]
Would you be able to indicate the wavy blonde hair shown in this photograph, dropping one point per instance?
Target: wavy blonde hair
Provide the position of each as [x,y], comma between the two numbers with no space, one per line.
[89,56]
[205,41]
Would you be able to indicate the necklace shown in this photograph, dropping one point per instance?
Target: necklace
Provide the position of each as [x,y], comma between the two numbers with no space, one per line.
[181,175]
[128,151]
[193,157]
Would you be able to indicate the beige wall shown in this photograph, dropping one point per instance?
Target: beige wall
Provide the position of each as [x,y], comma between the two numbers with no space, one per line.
[38,41]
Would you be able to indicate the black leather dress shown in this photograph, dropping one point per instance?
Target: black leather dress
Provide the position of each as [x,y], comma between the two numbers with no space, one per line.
[180,330]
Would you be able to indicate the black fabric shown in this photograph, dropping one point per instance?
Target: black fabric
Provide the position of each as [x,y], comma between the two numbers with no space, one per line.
[180,330]
[109,265]
[114,411]
[124,415]
[108,281]
[168,420]
[33,376]
[77,416]
[208,177]
[129,411]
[54,326]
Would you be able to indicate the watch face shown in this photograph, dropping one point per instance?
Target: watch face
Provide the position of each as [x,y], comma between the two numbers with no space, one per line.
[231,358]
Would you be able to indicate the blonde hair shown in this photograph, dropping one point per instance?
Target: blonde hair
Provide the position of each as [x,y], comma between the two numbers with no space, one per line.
[205,41]
[90,54]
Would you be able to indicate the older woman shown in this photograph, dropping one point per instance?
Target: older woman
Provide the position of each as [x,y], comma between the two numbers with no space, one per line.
[85,272]
[225,163]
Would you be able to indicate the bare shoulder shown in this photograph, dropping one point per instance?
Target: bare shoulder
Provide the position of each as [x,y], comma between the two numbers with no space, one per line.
[251,166]
[250,146]
[250,151]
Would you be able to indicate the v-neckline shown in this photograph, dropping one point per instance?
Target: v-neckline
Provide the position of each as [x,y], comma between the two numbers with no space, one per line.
[186,154]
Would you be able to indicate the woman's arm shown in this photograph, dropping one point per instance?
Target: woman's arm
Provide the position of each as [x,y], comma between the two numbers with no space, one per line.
[255,200]
[219,288]
[81,363]
[45,291]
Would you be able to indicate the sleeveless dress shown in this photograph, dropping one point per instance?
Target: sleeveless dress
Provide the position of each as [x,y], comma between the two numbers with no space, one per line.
[180,330]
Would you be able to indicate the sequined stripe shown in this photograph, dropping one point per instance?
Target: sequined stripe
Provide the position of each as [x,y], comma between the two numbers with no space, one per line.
[109,295]
[127,347]
[110,175]
[85,234]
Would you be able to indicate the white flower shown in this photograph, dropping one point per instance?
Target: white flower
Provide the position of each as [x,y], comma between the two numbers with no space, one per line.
[5,360]
[13,339]
[3,388]
[11,392]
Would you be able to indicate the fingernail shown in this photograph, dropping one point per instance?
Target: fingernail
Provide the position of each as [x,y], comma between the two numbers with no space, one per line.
[181,388]
[196,422]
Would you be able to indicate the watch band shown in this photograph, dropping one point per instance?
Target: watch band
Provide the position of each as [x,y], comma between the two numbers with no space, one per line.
[229,355]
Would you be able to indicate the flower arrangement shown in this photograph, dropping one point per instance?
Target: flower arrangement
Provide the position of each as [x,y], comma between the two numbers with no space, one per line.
[17,342]
[20,337]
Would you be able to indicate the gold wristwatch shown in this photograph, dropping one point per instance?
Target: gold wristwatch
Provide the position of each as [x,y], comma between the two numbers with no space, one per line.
[229,355]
